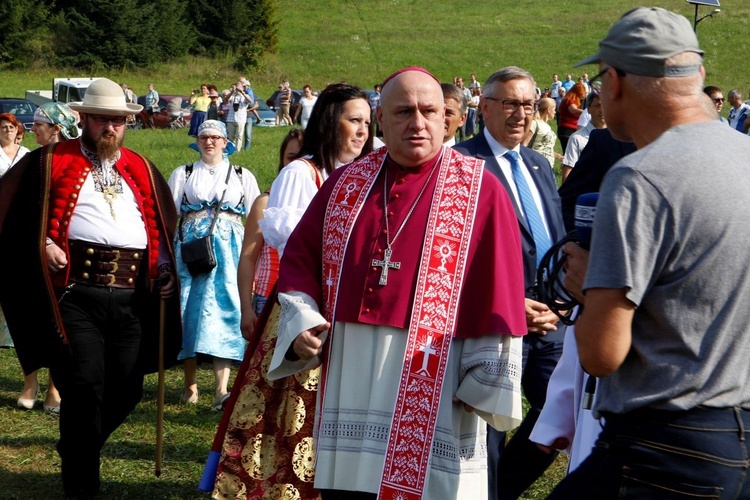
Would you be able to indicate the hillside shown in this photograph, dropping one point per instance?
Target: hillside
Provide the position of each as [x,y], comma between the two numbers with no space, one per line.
[362,42]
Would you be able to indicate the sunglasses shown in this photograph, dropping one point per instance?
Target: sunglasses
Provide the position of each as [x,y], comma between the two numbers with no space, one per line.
[103,120]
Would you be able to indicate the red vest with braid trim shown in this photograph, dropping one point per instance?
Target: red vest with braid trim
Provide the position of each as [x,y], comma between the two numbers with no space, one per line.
[70,168]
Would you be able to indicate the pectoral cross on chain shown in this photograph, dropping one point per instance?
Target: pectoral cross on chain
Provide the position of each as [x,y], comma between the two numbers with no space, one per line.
[385,264]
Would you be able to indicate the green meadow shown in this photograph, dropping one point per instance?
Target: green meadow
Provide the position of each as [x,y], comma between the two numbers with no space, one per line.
[321,41]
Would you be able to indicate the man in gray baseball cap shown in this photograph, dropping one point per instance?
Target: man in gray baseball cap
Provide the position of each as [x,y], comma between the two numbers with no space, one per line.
[644,39]
[665,325]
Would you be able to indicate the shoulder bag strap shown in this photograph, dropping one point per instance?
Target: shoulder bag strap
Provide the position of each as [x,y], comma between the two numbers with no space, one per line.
[218,206]
[188,171]
[238,171]
[315,172]
[221,200]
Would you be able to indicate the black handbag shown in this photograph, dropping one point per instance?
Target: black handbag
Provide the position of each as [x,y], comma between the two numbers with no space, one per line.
[198,254]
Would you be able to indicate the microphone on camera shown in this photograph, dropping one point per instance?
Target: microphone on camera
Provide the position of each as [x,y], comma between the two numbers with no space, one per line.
[584,222]
[584,217]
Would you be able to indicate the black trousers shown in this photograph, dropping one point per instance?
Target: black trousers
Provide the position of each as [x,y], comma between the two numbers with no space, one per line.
[346,495]
[98,378]
[515,465]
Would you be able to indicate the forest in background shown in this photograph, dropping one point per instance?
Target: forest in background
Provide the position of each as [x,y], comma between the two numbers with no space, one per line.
[127,34]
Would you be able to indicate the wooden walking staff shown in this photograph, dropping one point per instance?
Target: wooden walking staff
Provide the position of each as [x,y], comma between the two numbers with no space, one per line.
[160,390]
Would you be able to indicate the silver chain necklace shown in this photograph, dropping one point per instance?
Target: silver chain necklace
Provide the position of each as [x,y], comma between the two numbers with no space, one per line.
[107,180]
[386,263]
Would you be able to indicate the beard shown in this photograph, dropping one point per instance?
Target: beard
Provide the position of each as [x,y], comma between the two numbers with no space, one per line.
[107,145]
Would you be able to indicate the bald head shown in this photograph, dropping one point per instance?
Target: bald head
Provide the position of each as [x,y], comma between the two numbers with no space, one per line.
[412,117]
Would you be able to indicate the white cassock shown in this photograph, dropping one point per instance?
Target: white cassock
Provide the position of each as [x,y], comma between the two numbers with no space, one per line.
[356,422]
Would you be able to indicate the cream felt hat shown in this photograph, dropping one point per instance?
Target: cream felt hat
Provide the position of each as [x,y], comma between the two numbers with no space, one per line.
[105,97]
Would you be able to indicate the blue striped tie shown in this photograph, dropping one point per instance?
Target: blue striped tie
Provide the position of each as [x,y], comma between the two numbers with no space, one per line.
[533,218]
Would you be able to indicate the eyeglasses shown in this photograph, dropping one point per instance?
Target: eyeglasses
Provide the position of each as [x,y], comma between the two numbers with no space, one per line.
[717,100]
[117,121]
[598,76]
[511,105]
[212,138]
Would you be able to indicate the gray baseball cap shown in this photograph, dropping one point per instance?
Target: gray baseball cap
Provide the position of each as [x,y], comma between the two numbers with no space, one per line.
[642,40]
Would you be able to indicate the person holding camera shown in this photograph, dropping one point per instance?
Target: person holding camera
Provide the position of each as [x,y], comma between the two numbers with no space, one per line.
[199,100]
[237,113]
[210,301]
[252,110]
[151,104]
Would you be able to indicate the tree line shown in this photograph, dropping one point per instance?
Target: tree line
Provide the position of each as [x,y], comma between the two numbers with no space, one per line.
[134,33]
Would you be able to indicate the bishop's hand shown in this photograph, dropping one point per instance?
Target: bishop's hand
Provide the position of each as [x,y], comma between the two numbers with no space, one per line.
[308,343]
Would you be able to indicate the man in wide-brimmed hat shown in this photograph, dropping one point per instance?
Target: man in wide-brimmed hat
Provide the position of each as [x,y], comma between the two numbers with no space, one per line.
[86,227]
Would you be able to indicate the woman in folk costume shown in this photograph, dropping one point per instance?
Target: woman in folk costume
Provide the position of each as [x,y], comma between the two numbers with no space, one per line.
[263,447]
[259,263]
[210,301]
[53,122]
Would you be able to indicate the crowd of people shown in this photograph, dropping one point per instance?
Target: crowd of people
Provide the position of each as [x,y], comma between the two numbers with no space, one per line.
[384,302]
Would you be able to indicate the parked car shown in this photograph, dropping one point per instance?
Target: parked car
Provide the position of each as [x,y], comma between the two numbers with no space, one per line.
[267,115]
[23,109]
[296,96]
[162,118]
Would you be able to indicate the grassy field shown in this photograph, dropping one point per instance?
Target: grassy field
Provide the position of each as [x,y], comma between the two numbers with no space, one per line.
[321,41]
[30,466]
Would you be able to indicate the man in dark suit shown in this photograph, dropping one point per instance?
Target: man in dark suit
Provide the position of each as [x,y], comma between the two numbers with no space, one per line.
[508,107]
[601,152]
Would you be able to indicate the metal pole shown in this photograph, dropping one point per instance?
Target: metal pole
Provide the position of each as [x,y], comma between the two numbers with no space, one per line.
[160,391]
[695,23]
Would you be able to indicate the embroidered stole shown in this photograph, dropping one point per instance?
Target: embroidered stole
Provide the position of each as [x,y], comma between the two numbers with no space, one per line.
[442,265]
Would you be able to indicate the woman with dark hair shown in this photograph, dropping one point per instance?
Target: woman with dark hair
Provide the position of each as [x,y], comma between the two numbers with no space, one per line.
[200,101]
[268,425]
[259,263]
[569,112]
[306,105]
[337,134]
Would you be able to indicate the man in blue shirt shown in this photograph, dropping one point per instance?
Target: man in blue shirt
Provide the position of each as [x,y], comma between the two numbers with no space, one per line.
[568,83]
[739,112]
